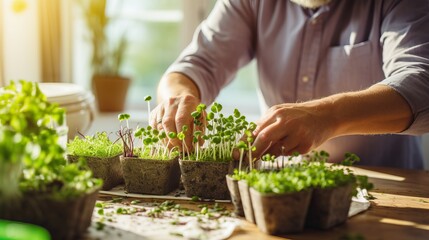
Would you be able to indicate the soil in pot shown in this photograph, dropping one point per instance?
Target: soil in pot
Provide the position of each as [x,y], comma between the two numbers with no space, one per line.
[109,169]
[329,207]
[64,219]
[246,201]
[280,213]
[149,176]
[235,195]
[205,179]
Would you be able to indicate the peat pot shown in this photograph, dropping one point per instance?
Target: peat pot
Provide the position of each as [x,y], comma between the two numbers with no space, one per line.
[107,168]
[64,219]
[149,176]
[280,213]
[246,201]
[329,207]
[234,192]
[205,179]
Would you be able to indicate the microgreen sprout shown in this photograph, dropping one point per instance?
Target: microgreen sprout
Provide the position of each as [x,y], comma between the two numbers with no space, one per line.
[148,99]
[312,172]
[221,134]
[154,143]
[126,136]
[98,145]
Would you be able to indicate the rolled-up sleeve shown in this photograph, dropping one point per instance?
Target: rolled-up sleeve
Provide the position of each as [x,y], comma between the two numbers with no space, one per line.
[222,44]
[405,42]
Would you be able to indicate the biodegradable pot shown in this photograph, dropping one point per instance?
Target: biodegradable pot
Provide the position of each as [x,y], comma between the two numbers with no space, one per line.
[329,207]
[110,92]
[149,176]
[108,168]
[235,195]
[246,201]
[280,213]
[64,219]
[205,179]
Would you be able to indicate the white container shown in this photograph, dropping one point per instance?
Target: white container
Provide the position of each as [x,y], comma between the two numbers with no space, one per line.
[78,104]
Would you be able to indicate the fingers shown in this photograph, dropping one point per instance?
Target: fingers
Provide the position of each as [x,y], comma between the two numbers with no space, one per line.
[284,147]
[184,118]
[172,115]
[156,117]
[267,137]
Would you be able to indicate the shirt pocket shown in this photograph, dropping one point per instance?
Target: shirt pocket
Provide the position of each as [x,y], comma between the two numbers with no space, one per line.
[345,68]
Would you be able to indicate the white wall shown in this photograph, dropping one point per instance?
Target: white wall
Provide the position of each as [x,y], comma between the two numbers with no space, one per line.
[21,42]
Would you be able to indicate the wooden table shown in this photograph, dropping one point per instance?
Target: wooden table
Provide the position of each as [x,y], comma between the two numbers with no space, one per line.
[400,210]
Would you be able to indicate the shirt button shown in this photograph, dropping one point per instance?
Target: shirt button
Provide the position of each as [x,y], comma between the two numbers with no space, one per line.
[305,79]
[314,21]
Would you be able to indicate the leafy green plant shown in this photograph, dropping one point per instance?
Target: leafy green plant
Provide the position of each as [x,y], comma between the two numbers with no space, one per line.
[312,172]
[98,145]
[126,136]
[221,135]
[333,175]
[154,144]
[13,149]
[287,180]
[25,110]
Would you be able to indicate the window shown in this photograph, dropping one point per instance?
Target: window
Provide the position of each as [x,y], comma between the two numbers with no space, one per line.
[156,32]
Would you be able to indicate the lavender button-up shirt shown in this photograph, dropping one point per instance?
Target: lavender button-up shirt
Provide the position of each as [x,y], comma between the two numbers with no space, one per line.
[302,55]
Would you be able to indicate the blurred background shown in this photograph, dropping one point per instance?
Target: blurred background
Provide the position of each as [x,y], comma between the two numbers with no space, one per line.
[49,41]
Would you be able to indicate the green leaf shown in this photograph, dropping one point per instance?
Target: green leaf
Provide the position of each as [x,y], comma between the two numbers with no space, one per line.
[123,116]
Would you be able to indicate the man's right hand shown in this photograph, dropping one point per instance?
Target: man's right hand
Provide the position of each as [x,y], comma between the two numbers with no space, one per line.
[178,97]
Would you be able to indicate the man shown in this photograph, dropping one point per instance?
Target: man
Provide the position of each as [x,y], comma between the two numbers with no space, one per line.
[343,76]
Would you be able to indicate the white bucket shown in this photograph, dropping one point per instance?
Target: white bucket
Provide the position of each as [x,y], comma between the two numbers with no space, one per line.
[78,104]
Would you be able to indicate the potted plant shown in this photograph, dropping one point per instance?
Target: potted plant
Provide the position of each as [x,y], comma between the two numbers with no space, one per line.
[333,190]
[101,155]
[110,87]
[244,189]
[204,170]
[151,168]
[52,193]
[280,199]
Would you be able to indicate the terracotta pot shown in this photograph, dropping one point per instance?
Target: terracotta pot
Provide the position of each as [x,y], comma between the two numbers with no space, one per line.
[329,207]
[246,201]
[280,213]
[110,92]
[150,176]
[64,219]
[109,169]
[205,179]
[235,195]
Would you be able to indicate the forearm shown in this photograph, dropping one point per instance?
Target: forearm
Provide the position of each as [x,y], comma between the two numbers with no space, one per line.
[176,84]
[376,110]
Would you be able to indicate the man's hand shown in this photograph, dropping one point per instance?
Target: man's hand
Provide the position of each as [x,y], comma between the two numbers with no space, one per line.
[289,128]
[301,127]
[174,113]
[178,97]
